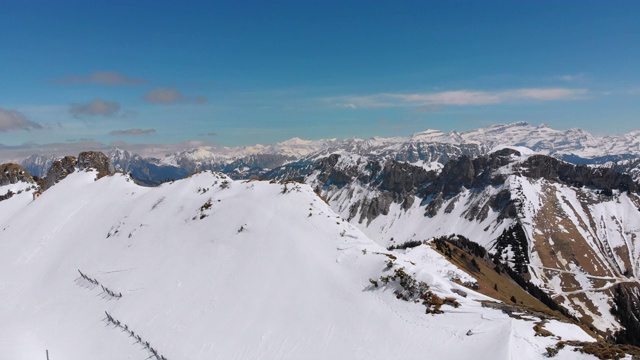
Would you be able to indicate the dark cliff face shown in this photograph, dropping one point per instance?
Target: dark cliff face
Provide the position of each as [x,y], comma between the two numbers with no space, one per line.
[481,172]
[13,173]
[399,182]
[252,165]
[395,182]
[59,170]
[601,178]
[329,175]
[393,176]
[469,173]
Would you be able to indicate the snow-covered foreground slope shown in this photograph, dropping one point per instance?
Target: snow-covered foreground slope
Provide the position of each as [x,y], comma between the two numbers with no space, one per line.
[209,268]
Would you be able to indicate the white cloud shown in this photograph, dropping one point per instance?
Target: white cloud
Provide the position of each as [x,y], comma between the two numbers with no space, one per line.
[457,98]
[572,77]
[17,153]
[133,132]
[97,107]
[13,120]
[550,94]
[102,78]
[171,96]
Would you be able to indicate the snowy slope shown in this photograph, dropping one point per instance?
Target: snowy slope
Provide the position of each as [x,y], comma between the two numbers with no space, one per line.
[579,242]
[210,268]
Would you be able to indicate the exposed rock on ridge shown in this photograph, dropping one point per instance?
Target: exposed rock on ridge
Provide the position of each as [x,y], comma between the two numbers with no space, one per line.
[59,170]
[95,160]
[85,160]
[602,178]
[394,182]
[13,173]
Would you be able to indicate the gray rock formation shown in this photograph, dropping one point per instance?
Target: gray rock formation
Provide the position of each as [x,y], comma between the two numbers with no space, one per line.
[59,170]
[13,173]
[95,160]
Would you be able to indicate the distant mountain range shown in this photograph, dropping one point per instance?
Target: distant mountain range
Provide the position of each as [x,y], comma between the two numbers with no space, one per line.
[430,149]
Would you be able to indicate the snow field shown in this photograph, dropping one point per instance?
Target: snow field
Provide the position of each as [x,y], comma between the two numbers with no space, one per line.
[254,278]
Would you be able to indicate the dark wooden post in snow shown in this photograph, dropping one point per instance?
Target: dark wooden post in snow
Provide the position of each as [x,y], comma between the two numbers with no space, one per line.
[47,354]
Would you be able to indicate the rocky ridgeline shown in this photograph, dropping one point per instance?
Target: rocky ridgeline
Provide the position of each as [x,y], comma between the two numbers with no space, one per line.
[59,170]
[400,182]
[85,160]
[14,173]
[95,160]
[396,182]
[601,178]
[11,174]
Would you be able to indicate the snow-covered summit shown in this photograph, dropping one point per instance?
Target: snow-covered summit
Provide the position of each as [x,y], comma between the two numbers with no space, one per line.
[207,267]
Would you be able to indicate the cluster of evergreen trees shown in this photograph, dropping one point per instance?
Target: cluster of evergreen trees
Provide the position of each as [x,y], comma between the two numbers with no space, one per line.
[626,310]
[462,242]
[515,238]
[536,292]
[405,245]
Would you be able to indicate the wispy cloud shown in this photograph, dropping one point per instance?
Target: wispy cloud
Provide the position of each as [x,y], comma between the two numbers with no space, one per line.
[97,107]
[434,100]
[17,153]
[133,132]
[13,120]
[208,134]
[102,78]
[571,77]
[168,96]
[548,94]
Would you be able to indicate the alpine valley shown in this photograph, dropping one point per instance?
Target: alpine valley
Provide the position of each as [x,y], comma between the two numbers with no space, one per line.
[508,242]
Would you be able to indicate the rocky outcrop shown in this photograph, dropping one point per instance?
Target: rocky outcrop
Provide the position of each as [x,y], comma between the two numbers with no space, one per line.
[85,160]
[253,165]
[330,175]
[13,173]
[631,167]
[59,170]
[478,173]
[95,160]
[468,173]
[601,178]
[393,182]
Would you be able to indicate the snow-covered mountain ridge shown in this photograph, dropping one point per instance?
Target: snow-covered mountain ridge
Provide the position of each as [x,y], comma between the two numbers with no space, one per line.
[430,149]
[577,226]
[541,139]
[208,267]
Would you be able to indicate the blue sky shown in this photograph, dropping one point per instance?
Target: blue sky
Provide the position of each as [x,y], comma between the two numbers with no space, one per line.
[174,73]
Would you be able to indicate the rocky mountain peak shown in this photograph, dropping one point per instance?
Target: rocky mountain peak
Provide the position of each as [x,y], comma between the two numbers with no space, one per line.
[59,170]
[13,173]
[95,160]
